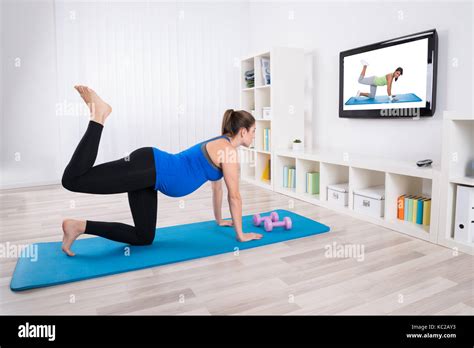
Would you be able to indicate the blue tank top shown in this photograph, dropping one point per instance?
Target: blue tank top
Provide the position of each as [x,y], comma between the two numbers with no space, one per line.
[180,174]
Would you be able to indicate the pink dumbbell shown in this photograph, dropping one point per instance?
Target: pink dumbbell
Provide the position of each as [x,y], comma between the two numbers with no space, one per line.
[286,223]
[257,219]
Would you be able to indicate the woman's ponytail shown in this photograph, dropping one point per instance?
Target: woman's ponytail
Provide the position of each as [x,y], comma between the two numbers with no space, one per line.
[234,120]
[226,121]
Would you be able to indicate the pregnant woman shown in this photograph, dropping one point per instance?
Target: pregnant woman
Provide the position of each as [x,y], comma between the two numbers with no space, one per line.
[375,81]
[148,170]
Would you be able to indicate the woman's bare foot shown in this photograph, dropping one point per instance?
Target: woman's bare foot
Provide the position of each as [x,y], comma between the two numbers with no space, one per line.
[100,110]
[72,229]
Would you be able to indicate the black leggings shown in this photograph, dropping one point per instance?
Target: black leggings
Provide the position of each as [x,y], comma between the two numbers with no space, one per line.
[134,174]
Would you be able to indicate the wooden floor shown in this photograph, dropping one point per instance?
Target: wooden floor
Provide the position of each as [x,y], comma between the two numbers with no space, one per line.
[398,274]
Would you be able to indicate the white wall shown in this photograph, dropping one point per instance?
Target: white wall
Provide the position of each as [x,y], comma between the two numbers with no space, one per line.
[167,68]
[29,132]
[326,28]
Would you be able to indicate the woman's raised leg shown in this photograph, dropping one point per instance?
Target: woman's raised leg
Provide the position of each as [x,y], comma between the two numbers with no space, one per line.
[86,151]
[134,172]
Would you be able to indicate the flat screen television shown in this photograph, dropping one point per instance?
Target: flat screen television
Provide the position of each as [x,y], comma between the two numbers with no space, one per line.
[390,79]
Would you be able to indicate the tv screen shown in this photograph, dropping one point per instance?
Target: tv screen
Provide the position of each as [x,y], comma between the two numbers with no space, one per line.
[390,79]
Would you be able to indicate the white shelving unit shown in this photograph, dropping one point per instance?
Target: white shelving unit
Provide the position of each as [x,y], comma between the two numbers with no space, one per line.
[285,96]
[361,172]
[458,154]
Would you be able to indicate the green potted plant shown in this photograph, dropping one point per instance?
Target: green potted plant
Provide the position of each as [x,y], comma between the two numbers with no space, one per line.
[298,145]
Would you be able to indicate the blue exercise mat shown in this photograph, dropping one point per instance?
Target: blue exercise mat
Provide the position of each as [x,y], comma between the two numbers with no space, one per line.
[383,99]
[97,257]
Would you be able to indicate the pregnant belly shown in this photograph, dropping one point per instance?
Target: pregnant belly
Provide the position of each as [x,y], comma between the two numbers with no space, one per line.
[177,185]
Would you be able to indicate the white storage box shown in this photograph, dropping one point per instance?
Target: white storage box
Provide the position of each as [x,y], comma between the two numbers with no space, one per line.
[370,200]
[464,217]
[338,194]
[266,113]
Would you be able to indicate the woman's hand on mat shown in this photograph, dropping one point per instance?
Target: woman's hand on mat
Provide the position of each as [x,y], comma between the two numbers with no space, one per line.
[245,237]
[226,223]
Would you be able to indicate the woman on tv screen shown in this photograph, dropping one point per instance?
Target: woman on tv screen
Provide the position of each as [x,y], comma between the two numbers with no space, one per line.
[375,81]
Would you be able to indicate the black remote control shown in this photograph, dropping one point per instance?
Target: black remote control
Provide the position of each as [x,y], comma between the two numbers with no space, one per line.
[424,163]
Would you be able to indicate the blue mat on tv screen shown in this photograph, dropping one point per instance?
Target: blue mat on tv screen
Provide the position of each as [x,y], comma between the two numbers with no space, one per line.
[383,99]
[98,257]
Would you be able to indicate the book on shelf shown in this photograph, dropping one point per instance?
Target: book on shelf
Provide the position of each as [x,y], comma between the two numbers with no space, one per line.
[427,211]
[405,207]
[269,135]
[410,209]
[419,211]
[266,139]
[414,208]
[312,182]
[266,171]
[400,206]
[265,135]
[269,168]
[289,177]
